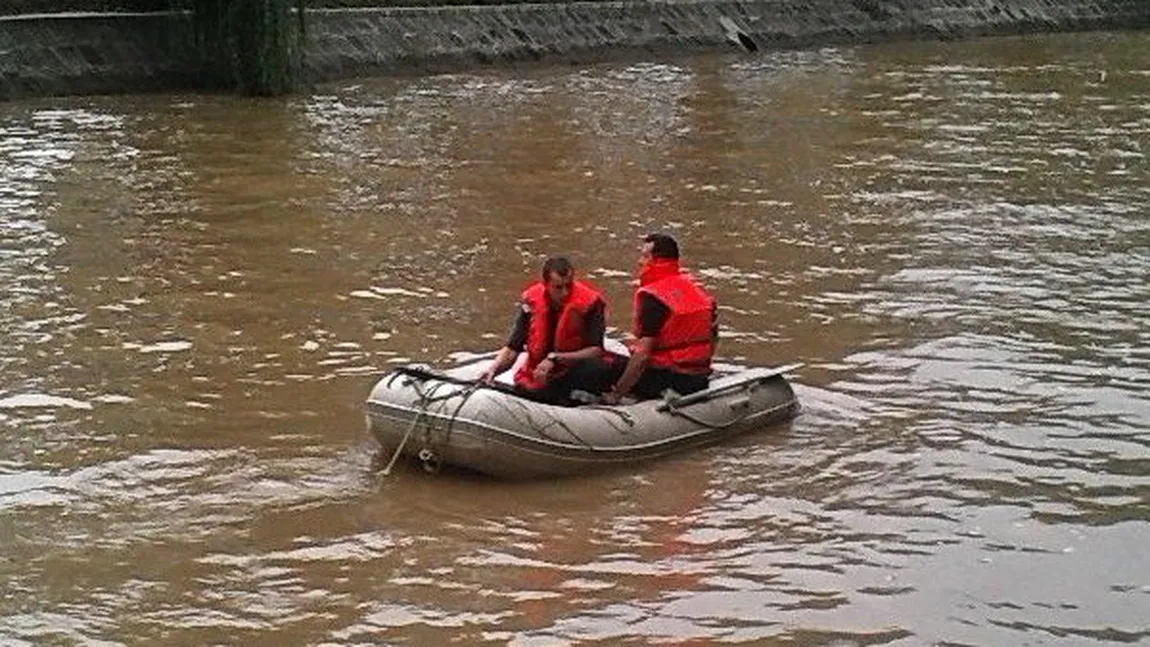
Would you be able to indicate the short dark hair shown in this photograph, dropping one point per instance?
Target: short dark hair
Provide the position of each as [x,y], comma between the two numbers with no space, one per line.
[557,265]
[663,245]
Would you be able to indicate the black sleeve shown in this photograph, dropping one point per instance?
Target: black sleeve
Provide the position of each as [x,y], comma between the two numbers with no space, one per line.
[595,327]
[518,338]
[653,313]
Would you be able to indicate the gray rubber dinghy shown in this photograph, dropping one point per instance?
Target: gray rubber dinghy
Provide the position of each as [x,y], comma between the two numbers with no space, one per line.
[447,418]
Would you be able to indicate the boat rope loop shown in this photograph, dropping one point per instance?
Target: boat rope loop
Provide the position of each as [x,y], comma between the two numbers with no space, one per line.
[427,456]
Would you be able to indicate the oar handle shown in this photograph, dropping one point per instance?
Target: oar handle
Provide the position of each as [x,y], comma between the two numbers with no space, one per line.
[422,373]
[707,394]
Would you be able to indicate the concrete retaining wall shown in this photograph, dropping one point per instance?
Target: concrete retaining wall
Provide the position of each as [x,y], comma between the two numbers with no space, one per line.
[91,53]
[348,43]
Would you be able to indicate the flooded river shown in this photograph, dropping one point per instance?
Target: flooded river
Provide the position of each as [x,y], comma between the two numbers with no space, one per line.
[954,239]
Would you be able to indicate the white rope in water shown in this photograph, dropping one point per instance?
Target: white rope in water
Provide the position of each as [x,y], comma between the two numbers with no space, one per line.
[424,402]
[403,443]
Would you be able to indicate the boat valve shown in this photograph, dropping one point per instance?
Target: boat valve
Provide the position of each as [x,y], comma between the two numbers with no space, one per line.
[429,460]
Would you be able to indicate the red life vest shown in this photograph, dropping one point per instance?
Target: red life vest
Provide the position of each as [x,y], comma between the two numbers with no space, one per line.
[685,344]
[568,332]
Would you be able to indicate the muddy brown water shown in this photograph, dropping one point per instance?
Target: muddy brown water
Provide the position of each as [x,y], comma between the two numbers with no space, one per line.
[954,238]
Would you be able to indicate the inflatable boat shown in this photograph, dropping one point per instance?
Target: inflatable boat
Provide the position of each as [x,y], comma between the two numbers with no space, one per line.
[447,418]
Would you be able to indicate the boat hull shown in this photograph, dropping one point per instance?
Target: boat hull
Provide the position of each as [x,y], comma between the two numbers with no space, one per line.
[447,419]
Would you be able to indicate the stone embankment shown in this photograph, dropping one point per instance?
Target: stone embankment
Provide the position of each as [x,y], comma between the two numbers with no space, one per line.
[108,53]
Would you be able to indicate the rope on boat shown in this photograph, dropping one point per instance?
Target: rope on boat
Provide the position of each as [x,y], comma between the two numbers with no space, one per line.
[403,443]
[542,431]
[703,423]
[426,399]
[627,418]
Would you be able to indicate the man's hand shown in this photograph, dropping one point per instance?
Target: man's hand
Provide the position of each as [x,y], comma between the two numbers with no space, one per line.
[504,360]
[543,370]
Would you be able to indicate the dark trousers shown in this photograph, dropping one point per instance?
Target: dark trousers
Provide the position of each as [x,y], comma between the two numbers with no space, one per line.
[654,381]
[594,376]
[597,376]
